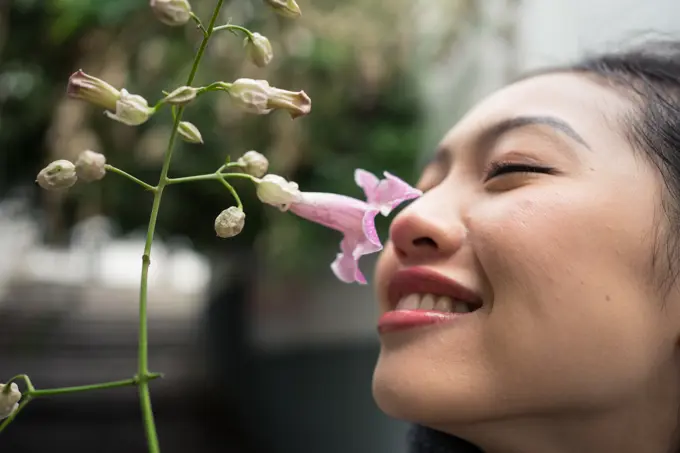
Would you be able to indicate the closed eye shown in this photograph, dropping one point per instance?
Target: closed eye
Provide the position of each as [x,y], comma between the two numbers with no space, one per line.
[500,168]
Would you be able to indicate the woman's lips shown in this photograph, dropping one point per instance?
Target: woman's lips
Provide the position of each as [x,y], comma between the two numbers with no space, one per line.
[395,320]
[420,280]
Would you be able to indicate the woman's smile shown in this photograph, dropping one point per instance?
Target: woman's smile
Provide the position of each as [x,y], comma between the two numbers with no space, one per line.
[520,293]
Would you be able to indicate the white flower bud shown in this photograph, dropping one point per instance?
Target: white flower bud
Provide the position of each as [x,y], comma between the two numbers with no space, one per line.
[256,96]
[131,109]
[254,163]
[60,174]
[91,89]
[276,191]
[259,50]
[285,8]
[181,96]
[171,12]
[90,166]
[251,95]
[9,401]
[230,222]
[189,132]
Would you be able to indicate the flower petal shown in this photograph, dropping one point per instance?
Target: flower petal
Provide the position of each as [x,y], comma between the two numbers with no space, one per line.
[395,191]
[346,268]
[346,264]
[371,242]
[385,194]
[368,182]
[120,119]
[331,210]
[91,89]
[354,218]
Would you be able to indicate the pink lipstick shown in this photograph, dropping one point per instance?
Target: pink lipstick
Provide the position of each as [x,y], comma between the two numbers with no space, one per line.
[420,297]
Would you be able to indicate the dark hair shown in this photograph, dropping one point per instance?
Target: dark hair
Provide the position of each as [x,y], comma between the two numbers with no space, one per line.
[649,74]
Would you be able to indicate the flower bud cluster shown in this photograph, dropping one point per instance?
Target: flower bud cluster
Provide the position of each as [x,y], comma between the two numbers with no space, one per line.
[62,174]
[129,109]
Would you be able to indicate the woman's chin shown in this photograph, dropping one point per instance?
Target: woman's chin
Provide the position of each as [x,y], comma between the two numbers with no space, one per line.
[406,397]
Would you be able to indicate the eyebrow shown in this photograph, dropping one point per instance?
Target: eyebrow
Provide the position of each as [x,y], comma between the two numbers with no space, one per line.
[495,131]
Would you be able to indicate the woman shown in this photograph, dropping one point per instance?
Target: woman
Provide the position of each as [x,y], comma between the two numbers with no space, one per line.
[530,297]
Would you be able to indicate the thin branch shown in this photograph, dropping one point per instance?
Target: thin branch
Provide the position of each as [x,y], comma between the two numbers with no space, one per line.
[113,169]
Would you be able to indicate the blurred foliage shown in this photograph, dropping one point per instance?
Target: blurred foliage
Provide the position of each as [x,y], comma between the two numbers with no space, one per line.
[350,57]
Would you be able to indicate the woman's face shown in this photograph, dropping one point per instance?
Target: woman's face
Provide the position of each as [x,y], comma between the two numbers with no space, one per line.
[561,258]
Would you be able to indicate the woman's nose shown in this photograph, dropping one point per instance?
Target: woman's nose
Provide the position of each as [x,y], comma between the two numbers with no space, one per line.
[422,233]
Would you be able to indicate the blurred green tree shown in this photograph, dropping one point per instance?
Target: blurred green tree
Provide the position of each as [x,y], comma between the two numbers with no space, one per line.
[350,57]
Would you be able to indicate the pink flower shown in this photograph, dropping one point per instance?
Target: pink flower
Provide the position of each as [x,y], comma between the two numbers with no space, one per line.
[355,218]
[385,194]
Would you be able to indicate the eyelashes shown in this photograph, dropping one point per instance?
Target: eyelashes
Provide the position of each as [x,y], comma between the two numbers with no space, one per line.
[496,169]
[431,178]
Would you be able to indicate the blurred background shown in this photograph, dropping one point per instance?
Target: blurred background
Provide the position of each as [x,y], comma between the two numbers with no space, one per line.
[263,350]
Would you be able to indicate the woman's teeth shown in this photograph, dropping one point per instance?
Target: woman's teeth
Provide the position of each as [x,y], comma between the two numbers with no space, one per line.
[432,302]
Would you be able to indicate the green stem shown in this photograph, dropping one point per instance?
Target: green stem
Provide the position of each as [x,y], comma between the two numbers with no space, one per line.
[87,388]
[24,377]
[230,27]
[212,176]
[199,24]
[192,178]
[215,176]
[143,353]
[239,175]
[231,189]
[130,177]
[31,392]
[215,86]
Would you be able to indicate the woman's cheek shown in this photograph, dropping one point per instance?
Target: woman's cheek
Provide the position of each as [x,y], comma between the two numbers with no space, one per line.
[521,235]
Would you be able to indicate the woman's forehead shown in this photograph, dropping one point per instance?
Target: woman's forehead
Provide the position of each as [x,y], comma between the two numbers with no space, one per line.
[575,100]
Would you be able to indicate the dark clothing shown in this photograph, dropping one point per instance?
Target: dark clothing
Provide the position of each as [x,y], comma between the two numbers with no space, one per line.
[426,440]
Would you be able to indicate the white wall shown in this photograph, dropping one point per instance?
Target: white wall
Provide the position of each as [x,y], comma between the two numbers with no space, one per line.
[557,31]
[495,40]
[465,50]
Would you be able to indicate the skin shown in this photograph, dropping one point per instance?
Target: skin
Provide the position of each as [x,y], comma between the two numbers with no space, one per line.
[576,346]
